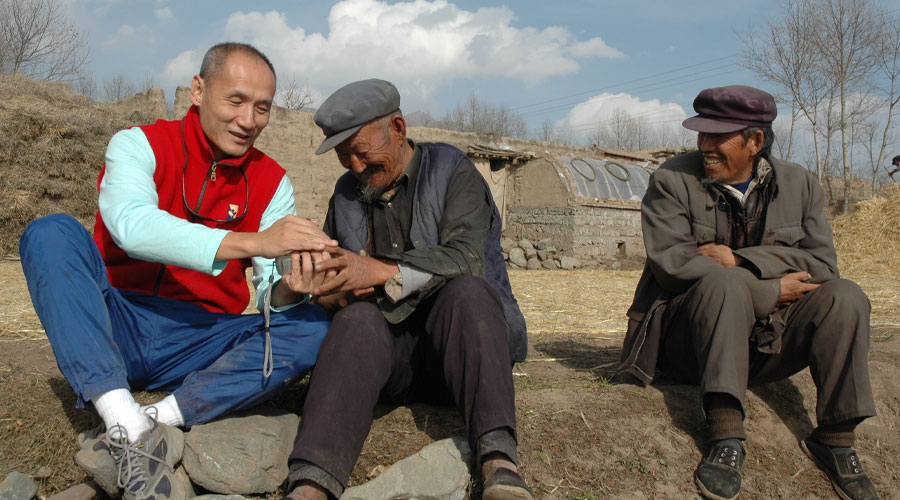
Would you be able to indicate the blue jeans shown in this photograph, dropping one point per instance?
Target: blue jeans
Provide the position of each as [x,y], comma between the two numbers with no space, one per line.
[105,338]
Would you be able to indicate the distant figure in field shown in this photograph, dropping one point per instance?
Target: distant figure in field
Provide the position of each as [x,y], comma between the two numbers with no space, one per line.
[895,162]
[741,287]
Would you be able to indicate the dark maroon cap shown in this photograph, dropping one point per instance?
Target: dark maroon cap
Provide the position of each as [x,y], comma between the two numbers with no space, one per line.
[728,109]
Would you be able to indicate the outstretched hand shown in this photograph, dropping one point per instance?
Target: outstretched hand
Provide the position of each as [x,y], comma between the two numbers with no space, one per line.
[794,286]
[354,272]
[292,234]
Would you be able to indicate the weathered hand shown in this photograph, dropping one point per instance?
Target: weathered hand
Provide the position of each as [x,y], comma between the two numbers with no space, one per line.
[720,253]
[794,286]
[354,272]
[290,234]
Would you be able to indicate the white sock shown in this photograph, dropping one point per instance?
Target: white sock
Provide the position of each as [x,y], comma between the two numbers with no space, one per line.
[119,411]
[167,411]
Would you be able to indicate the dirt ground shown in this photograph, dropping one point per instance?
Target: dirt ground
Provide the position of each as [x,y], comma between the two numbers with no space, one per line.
[584,433]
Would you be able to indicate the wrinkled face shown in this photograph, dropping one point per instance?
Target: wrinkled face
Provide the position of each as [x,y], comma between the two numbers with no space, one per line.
[373,154]
[729,157]
[234,105]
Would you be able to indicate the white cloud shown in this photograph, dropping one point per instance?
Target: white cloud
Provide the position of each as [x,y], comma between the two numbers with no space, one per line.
[587,116]
[128,35]
[180,70]
[163,14]
[420,45]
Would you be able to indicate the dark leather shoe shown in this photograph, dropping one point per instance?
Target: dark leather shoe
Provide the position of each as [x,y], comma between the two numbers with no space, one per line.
[843,468]
[719,474]
[505,484]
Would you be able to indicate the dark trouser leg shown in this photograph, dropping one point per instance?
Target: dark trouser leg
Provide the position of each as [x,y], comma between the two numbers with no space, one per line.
[706,336]
[354,364]
[827,330]
[462,337]
[466,327]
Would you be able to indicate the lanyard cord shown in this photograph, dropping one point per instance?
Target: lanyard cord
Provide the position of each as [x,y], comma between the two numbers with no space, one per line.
[268,363]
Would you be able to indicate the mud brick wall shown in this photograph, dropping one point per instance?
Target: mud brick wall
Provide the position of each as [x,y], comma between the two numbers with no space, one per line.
[581,232]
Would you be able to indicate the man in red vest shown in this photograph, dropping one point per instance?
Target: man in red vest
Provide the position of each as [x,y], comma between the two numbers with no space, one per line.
[154,300]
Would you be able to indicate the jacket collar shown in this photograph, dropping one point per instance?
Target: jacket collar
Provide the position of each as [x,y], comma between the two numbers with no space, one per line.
[197,145]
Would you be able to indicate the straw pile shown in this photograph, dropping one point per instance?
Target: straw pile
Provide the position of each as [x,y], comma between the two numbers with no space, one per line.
[868,239]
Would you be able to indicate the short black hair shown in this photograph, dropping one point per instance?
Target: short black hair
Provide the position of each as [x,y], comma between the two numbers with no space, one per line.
[765,150]
[216,55]
[896,160]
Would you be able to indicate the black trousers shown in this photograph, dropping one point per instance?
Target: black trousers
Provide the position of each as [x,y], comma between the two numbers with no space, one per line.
[708,341]
[452,349]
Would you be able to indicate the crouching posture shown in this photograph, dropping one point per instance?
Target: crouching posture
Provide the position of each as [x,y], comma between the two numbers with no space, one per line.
[424,309]
[741,287]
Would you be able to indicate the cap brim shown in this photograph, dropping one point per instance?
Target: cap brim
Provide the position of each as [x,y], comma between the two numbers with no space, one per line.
[710,126]
[332,141]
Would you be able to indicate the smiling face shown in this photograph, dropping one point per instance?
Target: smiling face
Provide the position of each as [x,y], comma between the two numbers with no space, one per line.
[376,153]
[729,157]
[234,104]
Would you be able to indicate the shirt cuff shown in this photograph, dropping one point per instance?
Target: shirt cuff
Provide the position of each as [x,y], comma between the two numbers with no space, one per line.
[409,280]
[261,302]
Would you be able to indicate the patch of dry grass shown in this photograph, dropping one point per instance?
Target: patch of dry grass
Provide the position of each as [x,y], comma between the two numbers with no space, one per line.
[868,239]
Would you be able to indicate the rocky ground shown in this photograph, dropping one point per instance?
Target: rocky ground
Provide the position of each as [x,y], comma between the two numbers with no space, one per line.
[584,433]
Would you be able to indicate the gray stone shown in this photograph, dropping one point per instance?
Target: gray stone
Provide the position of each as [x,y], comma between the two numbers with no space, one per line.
[543,244]
[219,497]
[568,263]
[506,244]
[84,491]
[534,263]
[530,252]
[244,453]
[546,254]
[525,244]
[17,486]
[549,264]
[439,471]
[517,257]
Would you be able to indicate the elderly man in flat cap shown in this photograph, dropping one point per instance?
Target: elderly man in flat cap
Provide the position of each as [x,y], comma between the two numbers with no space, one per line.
[423,309]
[741,287]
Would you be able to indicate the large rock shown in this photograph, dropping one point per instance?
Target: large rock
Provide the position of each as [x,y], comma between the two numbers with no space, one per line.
[543,244]
[549,264]
[530,252]
[547,254]
[242,454]
[506,244]
[517,257]
[525,244]
[568,263]
[534,263]
[17,486]
[439,471]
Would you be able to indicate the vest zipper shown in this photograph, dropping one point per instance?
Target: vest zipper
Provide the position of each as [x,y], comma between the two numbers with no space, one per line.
[159,277]
[212,171]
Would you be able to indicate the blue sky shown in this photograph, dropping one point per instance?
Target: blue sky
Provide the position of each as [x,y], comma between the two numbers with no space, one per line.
[569,62]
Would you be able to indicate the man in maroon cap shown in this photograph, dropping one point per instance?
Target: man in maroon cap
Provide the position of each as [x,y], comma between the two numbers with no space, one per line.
[741,287]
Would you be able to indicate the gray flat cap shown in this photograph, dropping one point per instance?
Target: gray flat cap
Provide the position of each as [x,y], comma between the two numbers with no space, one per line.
[352,106]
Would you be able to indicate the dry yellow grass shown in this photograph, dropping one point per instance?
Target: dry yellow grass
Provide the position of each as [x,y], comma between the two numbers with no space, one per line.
[868,239]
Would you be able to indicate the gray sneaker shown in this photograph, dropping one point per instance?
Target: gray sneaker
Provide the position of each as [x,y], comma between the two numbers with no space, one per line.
[93,456]
[146,467]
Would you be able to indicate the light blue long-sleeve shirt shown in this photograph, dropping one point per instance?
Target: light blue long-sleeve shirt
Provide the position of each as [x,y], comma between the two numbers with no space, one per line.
[130,209]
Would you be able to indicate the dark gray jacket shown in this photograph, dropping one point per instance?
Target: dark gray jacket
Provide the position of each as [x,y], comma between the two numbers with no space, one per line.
[680,213]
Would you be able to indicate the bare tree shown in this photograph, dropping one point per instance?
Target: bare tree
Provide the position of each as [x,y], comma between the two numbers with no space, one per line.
[293,95]
[477,116]
[117,88]
[849,39]
[147,83]
[36,39]
[86,85]
[622,130]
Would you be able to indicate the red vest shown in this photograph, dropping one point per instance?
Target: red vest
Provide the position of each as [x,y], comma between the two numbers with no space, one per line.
[227,292]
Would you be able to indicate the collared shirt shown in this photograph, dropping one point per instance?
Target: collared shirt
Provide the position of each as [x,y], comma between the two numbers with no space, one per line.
[463,230]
